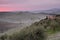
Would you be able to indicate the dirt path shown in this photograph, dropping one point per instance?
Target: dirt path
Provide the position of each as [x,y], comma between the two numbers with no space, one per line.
[55,36]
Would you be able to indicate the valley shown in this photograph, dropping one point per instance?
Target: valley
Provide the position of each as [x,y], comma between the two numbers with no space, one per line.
[12,22]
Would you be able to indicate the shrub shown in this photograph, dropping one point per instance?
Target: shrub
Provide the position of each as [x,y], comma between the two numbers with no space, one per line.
[30,33]
[3,37]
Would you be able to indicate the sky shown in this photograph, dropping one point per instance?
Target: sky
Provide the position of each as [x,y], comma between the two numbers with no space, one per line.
[23,5]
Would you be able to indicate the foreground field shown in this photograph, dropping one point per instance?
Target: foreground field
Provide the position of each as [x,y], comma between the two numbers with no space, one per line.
[55,36]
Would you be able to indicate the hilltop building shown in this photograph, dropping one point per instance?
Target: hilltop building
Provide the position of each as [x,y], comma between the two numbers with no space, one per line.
[53,16]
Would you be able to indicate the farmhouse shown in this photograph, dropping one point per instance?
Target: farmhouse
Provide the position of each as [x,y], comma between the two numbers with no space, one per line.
[53,16]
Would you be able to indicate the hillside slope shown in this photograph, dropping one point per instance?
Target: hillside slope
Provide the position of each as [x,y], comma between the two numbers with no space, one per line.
[52,27]
[11,22]
[49,26]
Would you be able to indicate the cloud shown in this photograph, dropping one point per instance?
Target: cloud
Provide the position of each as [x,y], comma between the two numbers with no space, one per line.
[12,1]
[29,4]
[3,2]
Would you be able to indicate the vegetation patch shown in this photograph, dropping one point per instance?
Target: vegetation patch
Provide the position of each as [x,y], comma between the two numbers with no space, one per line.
[50,26]
[36,31]
[28,33]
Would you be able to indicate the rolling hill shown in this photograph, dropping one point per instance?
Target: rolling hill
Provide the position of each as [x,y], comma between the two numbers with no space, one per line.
[10,21]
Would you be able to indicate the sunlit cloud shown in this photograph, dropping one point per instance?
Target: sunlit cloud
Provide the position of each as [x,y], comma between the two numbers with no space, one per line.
[29,4]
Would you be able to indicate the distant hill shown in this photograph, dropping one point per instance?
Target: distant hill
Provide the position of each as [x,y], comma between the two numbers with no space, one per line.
[52,11]
[49,11]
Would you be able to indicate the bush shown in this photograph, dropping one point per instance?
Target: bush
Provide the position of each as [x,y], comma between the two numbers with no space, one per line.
[3,37]
[30,33]
[50,25]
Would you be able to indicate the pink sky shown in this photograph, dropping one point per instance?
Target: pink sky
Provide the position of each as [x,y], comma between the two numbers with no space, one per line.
[16,5]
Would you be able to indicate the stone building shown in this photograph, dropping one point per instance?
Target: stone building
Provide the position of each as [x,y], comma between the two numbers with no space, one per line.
[53,16]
